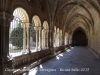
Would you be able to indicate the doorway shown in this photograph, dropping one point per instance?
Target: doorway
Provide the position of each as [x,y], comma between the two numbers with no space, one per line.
[79,38]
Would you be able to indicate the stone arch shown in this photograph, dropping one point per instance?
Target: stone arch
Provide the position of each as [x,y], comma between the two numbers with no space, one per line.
[37,27]
[79,37]
[85,6]
[37,20]
[79,25]
[19,27]
[89,22]
[45,25]
[80,10]
[78,18]
[21,14]
[87,3]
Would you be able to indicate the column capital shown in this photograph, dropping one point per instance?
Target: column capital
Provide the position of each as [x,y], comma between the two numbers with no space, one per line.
[47,30]
[37,28]
[27,24]
[40,28]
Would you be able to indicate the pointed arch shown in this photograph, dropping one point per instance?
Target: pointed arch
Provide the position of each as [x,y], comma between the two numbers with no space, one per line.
[79,37]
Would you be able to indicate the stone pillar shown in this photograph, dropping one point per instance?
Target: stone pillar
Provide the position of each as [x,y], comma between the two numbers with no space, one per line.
[58,39]
[24,38]
[51,42]
[63,40]
[5,61]
[40,38]
[54,39]
[47,31]
[68,42]
[28,37]
[36,29]
[44,38]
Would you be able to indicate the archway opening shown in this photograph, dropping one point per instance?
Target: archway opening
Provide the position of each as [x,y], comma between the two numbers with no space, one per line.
[18,33]
[79,38]
[45,31]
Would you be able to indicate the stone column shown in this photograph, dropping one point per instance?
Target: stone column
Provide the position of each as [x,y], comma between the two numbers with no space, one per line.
[47,31]
[28,37]
[5,61]
[58,39]
[51,42]
[63,40]
[40,38]
[43,38]
[54,39]
[24,38]
[36,29]
[68,41]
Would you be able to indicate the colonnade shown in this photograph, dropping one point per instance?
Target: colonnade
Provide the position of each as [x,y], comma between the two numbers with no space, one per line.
[61,38]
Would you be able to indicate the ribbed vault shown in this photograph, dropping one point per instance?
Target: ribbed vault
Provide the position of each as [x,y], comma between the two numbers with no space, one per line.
[69,13]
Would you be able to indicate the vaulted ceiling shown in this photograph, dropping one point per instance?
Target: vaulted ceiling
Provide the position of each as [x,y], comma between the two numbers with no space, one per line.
[70,14]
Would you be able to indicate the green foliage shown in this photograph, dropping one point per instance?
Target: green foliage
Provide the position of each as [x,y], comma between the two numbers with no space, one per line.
[16,37]
[32,31]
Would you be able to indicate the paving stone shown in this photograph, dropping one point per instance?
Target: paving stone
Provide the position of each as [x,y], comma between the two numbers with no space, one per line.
[79,61]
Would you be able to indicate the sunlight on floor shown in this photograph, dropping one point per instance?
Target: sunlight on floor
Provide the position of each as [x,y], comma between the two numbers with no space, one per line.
[41,66]
[68,50]
[71,47]
[57,58]
[33,71]
[61,54]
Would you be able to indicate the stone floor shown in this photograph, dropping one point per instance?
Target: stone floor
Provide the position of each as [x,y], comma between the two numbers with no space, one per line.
[75,61]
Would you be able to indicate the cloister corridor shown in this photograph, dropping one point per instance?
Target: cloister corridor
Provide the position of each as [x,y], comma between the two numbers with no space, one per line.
[78,60]
[49,37]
